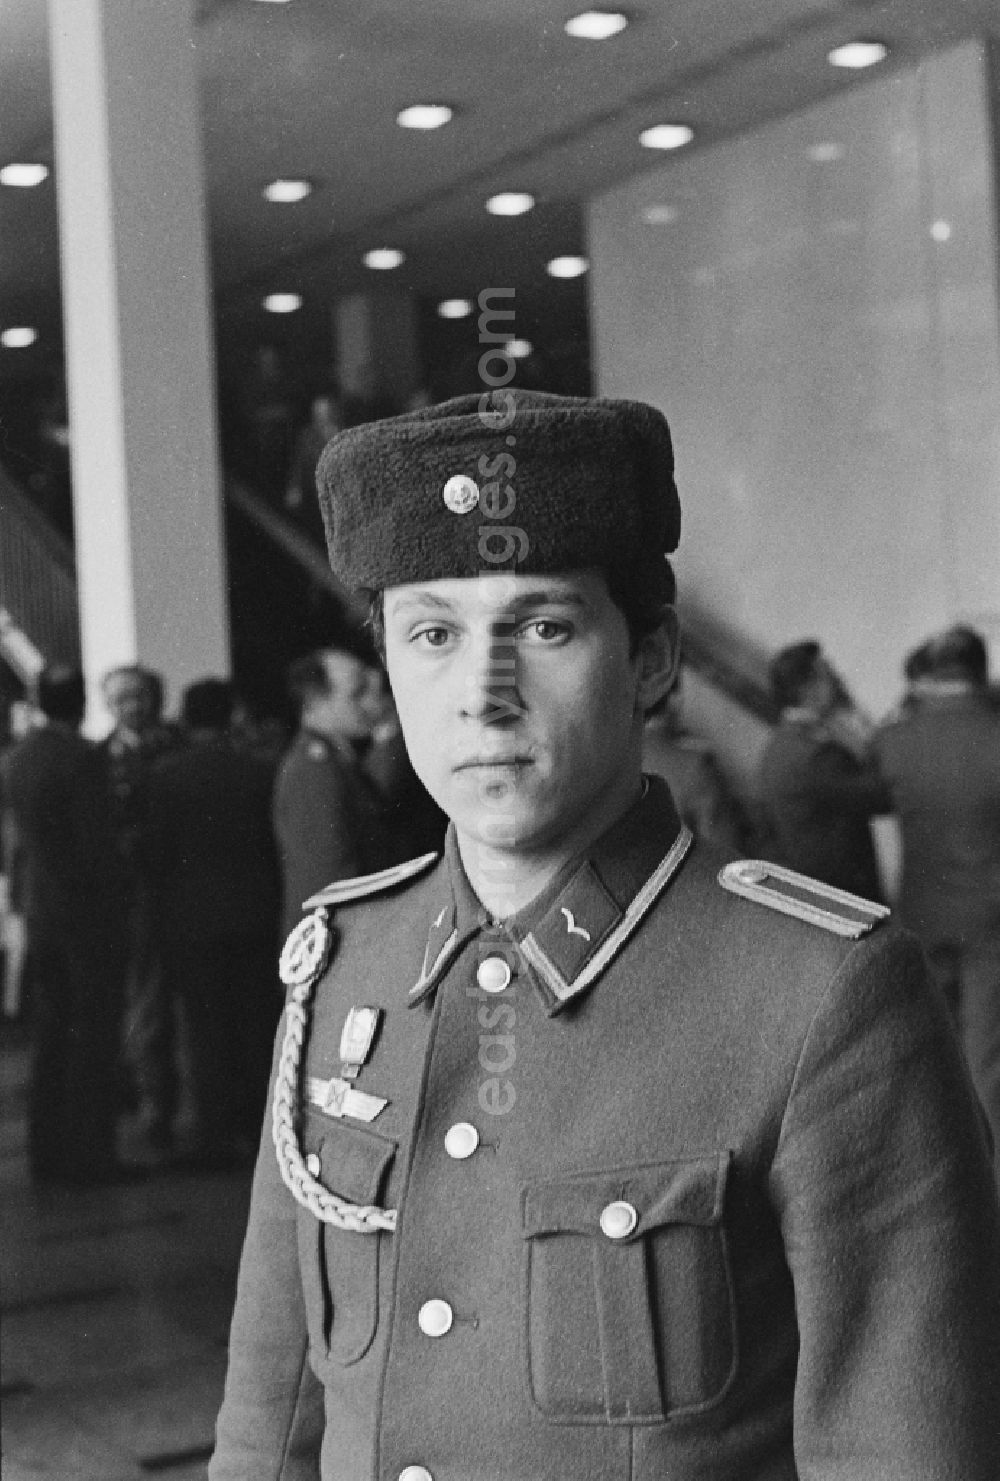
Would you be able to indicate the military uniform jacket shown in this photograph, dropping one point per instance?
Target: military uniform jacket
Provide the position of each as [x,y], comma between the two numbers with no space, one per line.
[700,1192]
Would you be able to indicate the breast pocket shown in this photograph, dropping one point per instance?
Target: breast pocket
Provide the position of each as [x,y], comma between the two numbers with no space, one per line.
[630,1316]
[340,1269]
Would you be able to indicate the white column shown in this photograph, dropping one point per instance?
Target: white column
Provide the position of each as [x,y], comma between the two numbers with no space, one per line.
[141,383]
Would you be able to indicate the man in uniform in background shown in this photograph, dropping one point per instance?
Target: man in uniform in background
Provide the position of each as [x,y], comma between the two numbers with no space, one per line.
[216,894]
[940,759]
[817,792]
[327,815]
[593,1158]
[68,886]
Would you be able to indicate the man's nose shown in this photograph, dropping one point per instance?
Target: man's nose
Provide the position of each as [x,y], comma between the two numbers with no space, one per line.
[491,692]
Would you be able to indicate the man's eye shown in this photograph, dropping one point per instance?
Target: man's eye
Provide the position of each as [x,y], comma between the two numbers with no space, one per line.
[431,637]
[544,630]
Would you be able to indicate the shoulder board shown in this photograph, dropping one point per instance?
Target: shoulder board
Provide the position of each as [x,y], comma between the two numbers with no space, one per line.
[361,885]
[806,899]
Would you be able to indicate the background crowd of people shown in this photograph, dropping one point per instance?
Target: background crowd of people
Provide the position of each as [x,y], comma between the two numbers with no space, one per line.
[152,875]
[155,873]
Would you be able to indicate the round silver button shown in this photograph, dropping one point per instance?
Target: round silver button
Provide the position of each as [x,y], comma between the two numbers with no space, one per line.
[415,1473]
[435,1318]
[618,1220]
[461,1140]
[313,1165]
[493,974]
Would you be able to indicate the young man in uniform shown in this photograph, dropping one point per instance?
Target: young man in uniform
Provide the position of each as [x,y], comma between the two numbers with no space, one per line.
[594,1156]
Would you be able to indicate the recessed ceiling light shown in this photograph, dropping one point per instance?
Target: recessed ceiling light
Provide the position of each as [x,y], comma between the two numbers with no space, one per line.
[566,267]
[425,116]
[18,338]
[24,175]
[660,215]
[596,25]
[454,308]
[283,303]
[519,349]
[826,153]
[284,192]
[941,231]
[856,54]
[510,203]
[383,259]
[666,136]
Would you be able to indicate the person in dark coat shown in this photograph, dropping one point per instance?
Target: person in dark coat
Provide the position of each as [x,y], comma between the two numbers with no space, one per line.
[139,736]
[592,1156]
[940,759]
[69,888]
[329,821]
[816,791]
[216,893]
[702,796]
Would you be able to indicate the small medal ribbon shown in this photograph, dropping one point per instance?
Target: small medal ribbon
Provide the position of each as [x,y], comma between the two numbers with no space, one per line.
[357,1038]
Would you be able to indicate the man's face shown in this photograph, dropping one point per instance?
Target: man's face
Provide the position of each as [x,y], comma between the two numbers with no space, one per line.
[519,701]
[346,713]
[132,701]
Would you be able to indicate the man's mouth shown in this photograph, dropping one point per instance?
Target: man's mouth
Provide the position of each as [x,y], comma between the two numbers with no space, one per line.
[491,763]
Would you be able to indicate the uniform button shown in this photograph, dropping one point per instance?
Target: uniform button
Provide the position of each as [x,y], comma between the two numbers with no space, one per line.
[415,1473]
[313,1165]
[618,1220]
[493,974]
[461,1140]
[435,1318]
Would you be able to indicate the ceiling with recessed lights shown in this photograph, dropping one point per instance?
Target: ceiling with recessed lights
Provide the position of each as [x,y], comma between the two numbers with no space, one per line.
[354,141]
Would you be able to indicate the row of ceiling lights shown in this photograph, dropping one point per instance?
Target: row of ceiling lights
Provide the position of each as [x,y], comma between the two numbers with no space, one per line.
[594,25]
[590,25]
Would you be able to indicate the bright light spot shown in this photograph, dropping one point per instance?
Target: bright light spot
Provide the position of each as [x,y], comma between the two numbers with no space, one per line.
[666,136]
[19,338]
[454,308]
[383,259]
[23,175]
[425,116]
[856,54]
[510,203]
[518,349]
[285,192]
[567,267]
[941,230]
[596,25]
[283,303]
[660,215]
[826,153]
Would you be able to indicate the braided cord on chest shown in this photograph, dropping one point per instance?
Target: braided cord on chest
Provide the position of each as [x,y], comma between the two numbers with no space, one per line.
[304,1188]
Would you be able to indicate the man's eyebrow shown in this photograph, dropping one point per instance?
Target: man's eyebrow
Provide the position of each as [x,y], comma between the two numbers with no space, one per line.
[421,599]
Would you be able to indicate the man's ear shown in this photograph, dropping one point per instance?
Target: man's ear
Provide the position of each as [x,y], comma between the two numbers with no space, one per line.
[658,659]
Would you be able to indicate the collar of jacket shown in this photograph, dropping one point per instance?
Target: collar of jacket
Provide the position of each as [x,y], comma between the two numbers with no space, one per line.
[567,937]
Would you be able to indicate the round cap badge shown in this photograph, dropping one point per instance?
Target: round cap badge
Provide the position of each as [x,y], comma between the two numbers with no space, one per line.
[306,950]
[461,493]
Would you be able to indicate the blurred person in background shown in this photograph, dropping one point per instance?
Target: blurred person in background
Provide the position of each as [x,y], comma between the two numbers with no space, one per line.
[67,885]
[215,891]
[940,760]
[700,791]
[413,818]
[133,696]
[329,820]
[816,791]
[326,417]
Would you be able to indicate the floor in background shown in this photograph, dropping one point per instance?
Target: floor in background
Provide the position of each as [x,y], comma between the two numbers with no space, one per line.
[115,1308]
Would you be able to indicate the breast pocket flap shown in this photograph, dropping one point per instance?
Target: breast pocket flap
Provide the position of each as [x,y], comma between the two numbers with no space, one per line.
[691,1191]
